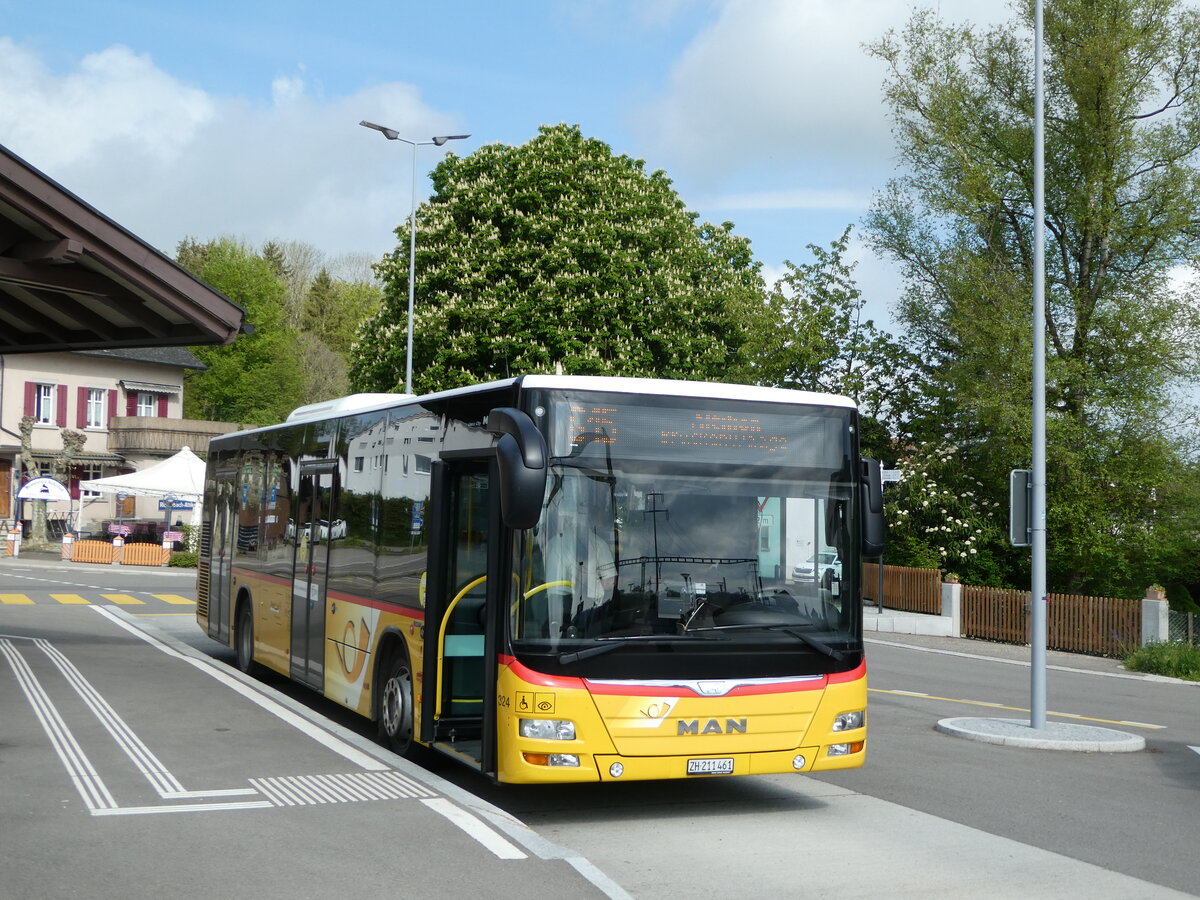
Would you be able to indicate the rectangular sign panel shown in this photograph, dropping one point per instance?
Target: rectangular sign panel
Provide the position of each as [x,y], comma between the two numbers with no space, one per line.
[1020,507]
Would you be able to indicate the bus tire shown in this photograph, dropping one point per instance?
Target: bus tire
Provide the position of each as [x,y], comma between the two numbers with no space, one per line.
[244,639]
[396,704]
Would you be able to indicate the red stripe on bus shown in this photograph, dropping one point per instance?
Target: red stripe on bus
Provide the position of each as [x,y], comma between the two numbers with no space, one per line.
[261,576]
[854,674]
[682,690]
[384,605]
[640,690]
[541,679]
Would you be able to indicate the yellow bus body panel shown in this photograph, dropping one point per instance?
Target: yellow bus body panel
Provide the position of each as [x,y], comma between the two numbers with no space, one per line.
[352,634]
[653,735]
[271,606]
[650,732]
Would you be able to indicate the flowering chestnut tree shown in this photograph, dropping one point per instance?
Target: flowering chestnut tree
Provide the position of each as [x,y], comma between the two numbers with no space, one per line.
[558,255]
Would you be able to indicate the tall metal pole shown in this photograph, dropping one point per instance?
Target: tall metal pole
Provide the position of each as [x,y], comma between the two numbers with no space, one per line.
[412,270]
[1037,621]
[392,135]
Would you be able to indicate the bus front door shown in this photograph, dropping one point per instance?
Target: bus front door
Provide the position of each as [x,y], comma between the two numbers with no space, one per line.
[461,625]
[312,524]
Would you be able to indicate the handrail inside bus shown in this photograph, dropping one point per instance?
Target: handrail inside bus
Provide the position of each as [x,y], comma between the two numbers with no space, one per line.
[437,706]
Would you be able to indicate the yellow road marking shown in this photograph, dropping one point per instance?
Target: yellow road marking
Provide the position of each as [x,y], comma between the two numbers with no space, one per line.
[175,599]
[70,599]
[15,599]
[123,599]
[1019,709]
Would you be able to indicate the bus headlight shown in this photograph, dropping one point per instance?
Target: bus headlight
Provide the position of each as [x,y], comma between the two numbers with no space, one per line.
[547,729]
[845,749]
[551,759]
[849,721]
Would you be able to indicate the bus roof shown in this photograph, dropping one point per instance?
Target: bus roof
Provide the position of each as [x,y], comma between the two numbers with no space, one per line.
[604,383]
[671,388]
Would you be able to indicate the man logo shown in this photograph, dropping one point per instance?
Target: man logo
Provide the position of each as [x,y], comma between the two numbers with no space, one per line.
[732,726]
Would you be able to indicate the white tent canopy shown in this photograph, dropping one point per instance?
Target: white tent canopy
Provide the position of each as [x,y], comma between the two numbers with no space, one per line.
[181,475]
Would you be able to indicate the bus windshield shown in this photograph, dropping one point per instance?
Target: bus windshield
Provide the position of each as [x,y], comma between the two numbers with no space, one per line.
[653,541]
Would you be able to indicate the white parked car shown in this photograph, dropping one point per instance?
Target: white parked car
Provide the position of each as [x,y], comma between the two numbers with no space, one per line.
[816,567]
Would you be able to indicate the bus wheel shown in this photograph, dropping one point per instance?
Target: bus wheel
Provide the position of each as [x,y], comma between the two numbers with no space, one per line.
[396,705]
[245,638]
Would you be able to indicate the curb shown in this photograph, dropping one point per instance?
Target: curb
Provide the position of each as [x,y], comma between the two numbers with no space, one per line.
[1054,736]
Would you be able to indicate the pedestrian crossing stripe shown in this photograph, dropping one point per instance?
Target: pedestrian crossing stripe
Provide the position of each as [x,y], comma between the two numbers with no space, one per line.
[124,599]
[71,599]
[79,600]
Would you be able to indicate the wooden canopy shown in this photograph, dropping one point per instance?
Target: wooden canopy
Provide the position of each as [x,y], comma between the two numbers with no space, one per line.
[73,279]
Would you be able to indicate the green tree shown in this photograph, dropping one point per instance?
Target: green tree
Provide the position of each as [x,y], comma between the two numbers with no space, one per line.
[558,253]
[1122,203]
[813,336]
[334,310]
[258,378]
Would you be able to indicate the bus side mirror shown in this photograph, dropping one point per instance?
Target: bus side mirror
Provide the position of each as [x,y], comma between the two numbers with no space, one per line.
[873,527]
[521,460]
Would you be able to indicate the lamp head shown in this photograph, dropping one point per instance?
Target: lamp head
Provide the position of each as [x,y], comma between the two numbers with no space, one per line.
[388,133]
[441,139]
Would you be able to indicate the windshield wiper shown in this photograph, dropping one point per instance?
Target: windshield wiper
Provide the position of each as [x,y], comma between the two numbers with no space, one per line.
[786,627]
[612,643]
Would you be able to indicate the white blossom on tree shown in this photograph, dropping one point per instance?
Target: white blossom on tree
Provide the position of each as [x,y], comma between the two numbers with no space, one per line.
[558,254]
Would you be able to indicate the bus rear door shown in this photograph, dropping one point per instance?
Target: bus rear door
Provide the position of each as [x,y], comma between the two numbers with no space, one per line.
[312,523]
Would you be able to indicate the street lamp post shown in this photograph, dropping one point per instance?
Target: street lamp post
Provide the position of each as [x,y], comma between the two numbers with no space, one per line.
[1037,586]
[393,135]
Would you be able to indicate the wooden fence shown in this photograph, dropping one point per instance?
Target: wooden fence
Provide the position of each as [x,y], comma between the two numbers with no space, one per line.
[130,554]
[1105,626]
[995,614]
[904,588]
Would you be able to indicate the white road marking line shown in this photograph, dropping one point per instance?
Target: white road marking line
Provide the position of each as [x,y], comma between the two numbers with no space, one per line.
[194,807]
[160,778]
[1136,676]
[474,828]
[79,768]
[311,790]
[230,792]
[357,757]
[1197,749]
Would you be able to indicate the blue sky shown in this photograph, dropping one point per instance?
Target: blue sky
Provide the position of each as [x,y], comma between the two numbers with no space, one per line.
[241,118]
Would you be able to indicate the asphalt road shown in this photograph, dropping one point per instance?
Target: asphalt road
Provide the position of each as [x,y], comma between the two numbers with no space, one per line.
[134,767]
[929,815]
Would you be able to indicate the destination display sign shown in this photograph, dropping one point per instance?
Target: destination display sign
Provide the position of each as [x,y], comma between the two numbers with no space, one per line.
[779,435]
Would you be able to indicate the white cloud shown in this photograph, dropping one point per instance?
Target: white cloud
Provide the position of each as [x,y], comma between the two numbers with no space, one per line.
[116,102]
[167,160]
[786,84]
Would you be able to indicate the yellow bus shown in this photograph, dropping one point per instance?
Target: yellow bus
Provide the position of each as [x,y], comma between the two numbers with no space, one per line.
[559,578]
